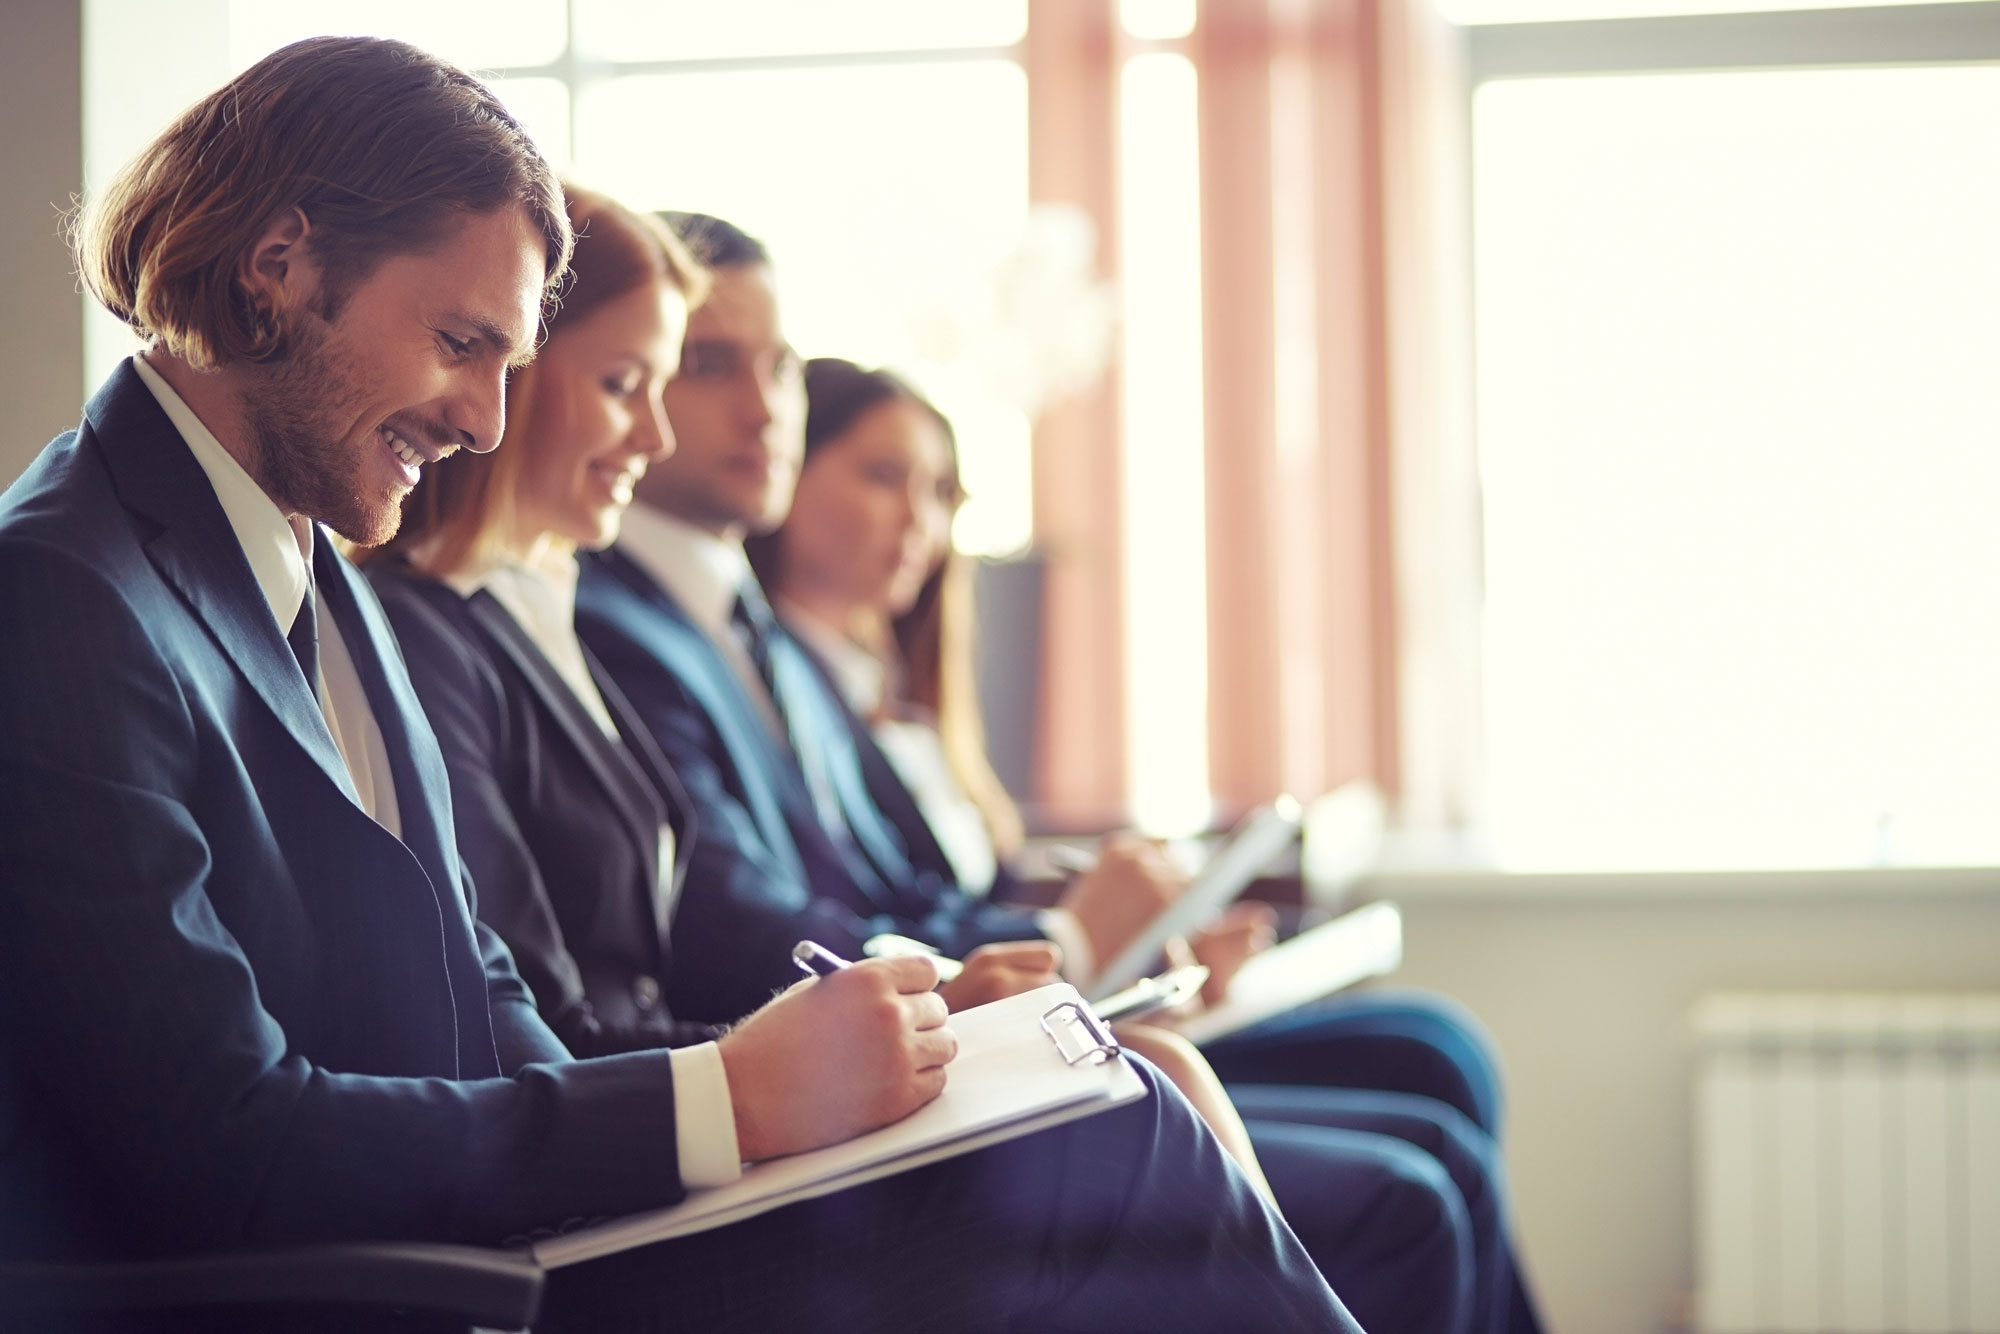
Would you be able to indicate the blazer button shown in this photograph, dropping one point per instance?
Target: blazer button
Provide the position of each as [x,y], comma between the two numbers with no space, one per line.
[645,991]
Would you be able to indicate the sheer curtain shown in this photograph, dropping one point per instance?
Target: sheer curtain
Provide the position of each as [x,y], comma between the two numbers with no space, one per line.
[1333,391]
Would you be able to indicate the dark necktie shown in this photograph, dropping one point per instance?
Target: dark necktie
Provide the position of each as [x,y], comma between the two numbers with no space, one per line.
[304,639]
[751,617]
[756,627]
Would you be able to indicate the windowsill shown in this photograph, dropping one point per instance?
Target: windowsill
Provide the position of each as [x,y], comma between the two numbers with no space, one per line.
[1447,868]
[1412,883]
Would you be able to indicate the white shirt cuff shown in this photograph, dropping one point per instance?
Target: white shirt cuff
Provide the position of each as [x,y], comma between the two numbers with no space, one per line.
[704,1118]
[1079,960]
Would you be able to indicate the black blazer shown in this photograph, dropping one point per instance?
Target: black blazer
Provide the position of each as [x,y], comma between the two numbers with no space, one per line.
[234,1010]
[559,823]
[765,873]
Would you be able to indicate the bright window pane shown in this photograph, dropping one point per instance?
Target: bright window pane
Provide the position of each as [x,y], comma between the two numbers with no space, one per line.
[1539,11]
[1739,369]
[477,34]
[542,108]
[885,225]
[1165,557]
[706,29]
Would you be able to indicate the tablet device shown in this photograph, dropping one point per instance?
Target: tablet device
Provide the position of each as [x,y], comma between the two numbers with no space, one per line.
[1250,847]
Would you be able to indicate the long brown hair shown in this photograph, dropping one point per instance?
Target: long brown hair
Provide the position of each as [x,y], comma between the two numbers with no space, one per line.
[463,503]
[934,656]
[379,144]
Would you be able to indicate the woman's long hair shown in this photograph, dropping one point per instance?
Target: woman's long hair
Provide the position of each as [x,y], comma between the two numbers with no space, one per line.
[932,657]
[464,504]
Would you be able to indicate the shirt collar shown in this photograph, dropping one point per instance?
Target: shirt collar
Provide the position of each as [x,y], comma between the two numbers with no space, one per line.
[703,572]
[279,548]
[538,589]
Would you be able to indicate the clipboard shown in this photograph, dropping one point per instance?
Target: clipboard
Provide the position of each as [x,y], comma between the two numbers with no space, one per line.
[1024,1064]
[1362,944]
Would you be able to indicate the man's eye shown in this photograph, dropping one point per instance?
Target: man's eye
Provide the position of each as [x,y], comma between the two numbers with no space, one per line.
[458,346]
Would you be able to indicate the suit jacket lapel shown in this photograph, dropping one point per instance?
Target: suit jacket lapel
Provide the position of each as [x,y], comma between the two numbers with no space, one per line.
[197,552]
[892,796]
[772,783]
[813,705]
[623,781]
[642,750]
[423,791]
[415,764]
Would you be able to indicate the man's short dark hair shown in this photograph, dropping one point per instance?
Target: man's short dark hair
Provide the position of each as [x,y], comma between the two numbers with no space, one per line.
[716,244]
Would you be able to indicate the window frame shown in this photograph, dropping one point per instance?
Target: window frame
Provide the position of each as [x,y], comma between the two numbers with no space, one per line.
[1459,858]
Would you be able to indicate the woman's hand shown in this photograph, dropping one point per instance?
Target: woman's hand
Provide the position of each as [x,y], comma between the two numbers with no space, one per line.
[995,972]
[1132,882]
[1227,943]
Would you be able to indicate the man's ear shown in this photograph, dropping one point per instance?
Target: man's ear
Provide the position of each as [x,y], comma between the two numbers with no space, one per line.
[276,271]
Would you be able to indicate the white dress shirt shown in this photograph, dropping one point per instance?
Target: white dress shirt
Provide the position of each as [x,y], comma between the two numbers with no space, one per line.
[279,549]
[705,574]
[916,752]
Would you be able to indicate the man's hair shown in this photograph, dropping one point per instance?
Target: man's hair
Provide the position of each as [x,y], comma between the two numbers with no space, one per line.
[463,504]
[716,244]
[379,144]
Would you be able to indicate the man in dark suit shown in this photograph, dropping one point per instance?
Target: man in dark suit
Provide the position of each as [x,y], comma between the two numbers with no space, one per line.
[246,1000]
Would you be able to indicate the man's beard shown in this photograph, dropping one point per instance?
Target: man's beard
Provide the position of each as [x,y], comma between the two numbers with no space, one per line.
[302,463]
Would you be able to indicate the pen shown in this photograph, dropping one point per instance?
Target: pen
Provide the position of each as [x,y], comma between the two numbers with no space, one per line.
[816,959]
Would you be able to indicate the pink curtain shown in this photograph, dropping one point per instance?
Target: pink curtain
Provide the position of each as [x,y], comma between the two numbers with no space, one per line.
[1333,334]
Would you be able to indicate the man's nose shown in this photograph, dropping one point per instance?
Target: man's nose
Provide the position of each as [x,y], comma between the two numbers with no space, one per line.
[478,411]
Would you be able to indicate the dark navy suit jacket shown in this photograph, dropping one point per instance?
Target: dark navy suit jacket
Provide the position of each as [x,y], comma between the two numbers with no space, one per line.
[559,823]
[233,1008]
[765,873]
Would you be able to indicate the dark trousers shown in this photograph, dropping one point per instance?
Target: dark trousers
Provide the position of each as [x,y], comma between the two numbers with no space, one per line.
[1392,1041]
[1132,1219]
[1437,1192]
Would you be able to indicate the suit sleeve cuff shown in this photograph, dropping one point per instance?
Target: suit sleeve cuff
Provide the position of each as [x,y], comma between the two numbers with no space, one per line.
[704,1118]
[1079,960]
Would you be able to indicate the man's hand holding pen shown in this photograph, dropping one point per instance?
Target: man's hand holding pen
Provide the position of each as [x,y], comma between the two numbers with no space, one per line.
[837,1055]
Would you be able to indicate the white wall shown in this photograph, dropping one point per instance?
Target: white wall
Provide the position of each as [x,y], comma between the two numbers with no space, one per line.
[83,86]
[1587,985]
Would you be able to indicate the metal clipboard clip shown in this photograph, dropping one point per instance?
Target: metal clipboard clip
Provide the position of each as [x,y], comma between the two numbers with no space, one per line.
[1080,1036]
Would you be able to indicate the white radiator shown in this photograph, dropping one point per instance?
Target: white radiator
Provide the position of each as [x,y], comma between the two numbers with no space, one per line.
[1848,1164]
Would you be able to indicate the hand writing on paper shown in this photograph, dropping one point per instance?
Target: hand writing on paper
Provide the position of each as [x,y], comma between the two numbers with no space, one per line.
[1132,883]
[836,1056]
[995,972]
[1227,943]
